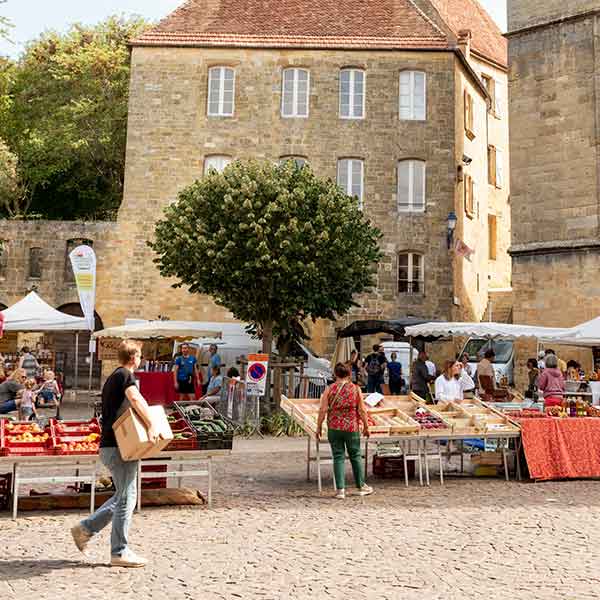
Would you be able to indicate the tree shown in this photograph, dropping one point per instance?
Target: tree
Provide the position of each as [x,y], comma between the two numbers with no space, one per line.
[63,112]
[274,244]
[14,199]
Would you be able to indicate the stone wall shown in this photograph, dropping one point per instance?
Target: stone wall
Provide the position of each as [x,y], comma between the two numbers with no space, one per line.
[526,13]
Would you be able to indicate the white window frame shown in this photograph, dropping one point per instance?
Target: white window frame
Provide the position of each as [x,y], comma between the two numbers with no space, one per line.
[352,103]
[222,161]
[412,114]
[294,115]
[347,185]
[411,279]
[221,108]
[410,207]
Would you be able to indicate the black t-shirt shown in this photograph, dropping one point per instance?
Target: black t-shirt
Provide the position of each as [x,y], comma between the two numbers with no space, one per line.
[113,396]
[375,356]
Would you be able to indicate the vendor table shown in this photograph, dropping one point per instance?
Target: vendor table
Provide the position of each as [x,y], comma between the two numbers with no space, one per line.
[562,448]
[158,387]
[52,465]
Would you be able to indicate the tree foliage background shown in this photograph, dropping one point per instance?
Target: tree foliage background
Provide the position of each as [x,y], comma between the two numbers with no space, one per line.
[63,115]
[274,244]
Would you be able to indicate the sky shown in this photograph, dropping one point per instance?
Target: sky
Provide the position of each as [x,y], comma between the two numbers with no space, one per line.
[32,17]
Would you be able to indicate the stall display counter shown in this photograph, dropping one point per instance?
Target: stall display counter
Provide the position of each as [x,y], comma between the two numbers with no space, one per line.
[158,388]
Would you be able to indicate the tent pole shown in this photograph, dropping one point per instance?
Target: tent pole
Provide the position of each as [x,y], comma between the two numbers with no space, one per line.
[91,366]
[410,362]
[76,359]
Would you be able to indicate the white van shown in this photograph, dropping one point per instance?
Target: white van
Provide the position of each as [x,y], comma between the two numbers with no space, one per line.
[504,362]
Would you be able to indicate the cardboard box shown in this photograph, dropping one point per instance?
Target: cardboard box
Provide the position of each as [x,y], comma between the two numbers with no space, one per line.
[132,436]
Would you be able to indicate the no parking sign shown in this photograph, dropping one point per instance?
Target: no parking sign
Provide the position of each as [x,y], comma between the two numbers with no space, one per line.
[256,375]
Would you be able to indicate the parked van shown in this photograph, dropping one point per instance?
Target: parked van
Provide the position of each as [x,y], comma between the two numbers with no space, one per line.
[504,362]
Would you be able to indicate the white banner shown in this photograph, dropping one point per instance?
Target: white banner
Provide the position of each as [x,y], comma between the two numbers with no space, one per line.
[83,261]
[256,374]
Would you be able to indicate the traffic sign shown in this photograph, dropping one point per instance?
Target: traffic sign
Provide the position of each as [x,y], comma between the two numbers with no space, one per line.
[256,374]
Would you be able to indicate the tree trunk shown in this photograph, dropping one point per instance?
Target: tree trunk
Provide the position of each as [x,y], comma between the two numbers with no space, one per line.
[267,339]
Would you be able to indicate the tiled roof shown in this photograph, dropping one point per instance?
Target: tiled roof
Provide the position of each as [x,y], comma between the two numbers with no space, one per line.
[469,14]
[351,24]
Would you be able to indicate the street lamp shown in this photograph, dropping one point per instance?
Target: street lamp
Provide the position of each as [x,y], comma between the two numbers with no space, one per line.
[452,220]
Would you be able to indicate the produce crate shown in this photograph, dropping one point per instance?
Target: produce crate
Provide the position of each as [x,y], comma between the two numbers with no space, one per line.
[213,431]
[75,428]
[181,427]
[67,434]
[10,447]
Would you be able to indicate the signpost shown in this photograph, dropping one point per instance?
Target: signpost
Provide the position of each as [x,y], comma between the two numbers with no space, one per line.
[256,381]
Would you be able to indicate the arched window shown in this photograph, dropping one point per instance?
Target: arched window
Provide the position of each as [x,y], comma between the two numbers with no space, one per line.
[411,185]
[299,160]
[216,162]
[295,93]
[35,263]
[413,96]
[411,278]
[221,91]
[350,176]
[352,94]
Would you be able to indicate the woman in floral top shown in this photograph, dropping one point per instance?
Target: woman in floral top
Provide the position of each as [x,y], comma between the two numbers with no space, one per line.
[343,405]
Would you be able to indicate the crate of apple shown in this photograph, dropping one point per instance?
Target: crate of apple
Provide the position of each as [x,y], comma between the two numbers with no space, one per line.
[80,447]
[428,420]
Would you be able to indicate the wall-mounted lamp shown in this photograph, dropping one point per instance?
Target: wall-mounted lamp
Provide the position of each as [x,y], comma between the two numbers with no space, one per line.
[452,220]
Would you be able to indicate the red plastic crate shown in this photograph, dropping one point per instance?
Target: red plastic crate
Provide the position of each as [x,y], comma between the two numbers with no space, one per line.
[68,428]
[8,447]
[190,443]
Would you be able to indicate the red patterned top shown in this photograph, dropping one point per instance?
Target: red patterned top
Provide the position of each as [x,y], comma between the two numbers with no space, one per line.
[343,401]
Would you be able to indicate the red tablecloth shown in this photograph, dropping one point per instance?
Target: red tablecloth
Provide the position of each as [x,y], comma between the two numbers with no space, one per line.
[562,448]
[158,388]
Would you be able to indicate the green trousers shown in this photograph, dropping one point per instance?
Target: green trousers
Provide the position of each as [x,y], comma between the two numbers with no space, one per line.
[342,441]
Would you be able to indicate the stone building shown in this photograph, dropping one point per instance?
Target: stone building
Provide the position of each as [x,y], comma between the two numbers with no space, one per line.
[402,101]
[555,162]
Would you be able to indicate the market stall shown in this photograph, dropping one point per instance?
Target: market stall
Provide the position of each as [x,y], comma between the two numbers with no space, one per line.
[416,428]
[156,379]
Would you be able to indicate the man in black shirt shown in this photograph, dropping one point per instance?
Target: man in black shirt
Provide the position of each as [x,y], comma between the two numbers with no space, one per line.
[119,392]
[421,377]
[375,366]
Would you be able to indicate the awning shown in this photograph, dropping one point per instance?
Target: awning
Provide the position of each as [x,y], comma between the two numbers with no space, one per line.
[159,330]
[33,314]
[484,330]
[587,334]
[395,327]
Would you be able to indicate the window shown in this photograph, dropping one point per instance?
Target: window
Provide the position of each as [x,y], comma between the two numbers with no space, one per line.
[350,178]
[469,196]
[495,166]
[352,94]
[413,96]
[3,258]
[71,245]
[218,163]
[469,127]
[492,236]
[411,186]
[221,88]
[294,97]
[494,89]
[410,273]
[35,263]
[299,160]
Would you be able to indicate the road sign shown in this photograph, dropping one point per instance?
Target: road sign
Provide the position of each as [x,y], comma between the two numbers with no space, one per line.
[256,374]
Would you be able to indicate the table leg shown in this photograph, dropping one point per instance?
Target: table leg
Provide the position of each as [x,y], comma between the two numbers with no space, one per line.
[462,457]
[15,490]
[319,482]
[518,445]
[139,486]
[93,489]
[209,482]
[424,453]
[505,460]
[308,458]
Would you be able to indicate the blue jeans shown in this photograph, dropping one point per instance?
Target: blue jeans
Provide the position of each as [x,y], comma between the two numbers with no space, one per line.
[374,383]
[119,508]
[7,407]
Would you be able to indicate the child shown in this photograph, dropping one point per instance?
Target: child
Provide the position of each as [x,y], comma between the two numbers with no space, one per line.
[26,402]
[49,392]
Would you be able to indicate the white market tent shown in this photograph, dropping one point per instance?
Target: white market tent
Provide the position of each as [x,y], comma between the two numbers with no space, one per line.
[485,330]
[587,335]
[34,314]
[159,330]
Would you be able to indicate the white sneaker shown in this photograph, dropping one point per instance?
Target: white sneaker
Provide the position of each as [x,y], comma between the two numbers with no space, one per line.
[128,559]
[81,537]
[365,490]
[341,494]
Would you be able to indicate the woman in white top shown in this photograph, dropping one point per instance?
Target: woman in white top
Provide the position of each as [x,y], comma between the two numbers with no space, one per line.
[453,382]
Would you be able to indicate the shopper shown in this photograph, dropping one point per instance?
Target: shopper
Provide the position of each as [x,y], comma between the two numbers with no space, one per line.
[355,366]
[49,392]
[186,374]
[29,362]
[214,360]
[9,390]
[561,364]
[485,370]
[213,391]
[551,382]
[119,393]
[533,373]
[26,403]
[464,359]
[375,365]
[452,384]
[421,377]
[343,405]
[395,375]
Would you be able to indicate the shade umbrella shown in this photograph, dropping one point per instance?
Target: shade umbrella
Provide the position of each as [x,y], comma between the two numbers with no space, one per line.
[343,350]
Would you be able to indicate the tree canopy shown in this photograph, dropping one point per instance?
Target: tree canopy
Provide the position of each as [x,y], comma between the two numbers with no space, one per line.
[274,244]
[63,113]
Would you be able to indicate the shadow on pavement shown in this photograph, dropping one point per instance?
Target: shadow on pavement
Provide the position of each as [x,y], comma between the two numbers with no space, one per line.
[26,568]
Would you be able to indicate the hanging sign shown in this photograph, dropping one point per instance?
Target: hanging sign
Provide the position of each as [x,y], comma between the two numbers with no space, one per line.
[83,261]
[256,374]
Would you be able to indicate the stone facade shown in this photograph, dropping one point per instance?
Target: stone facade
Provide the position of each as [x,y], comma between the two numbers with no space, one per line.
[555,165]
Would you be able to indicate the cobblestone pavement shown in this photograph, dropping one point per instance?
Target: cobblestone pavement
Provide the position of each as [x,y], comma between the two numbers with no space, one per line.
[271,536]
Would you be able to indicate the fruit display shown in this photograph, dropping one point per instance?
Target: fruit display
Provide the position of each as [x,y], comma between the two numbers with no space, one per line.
[213,432]
[24,439]
[525,413]
[76,437]
[427,420]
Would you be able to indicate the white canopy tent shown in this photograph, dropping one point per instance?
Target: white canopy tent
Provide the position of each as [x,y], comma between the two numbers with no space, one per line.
[159,330]
[484,330]
[34,314]
[586,335]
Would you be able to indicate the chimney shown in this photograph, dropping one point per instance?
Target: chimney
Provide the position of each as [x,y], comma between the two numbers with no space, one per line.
[464,42]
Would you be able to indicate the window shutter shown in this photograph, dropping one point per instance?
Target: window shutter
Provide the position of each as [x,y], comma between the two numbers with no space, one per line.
[404,186]
[405,105]
[419,96]
[491,165]
[466,110]
[499,168]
